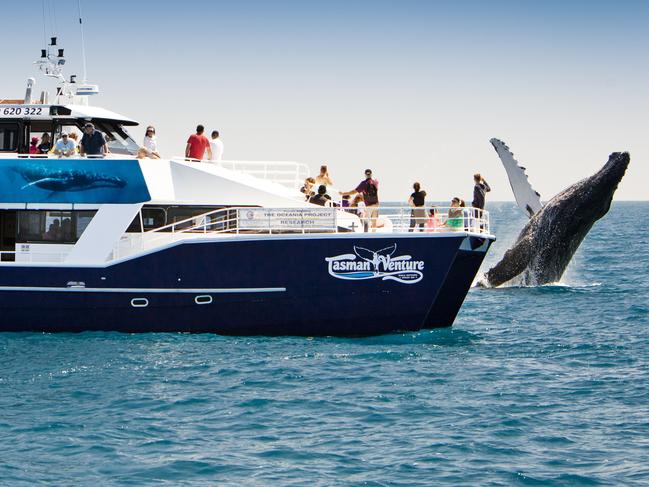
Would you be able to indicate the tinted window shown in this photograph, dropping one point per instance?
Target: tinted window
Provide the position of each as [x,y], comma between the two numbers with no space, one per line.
[8,137]
[151,218]
[52,226]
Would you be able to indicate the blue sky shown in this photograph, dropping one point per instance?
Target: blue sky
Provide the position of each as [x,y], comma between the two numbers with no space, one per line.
[413,89]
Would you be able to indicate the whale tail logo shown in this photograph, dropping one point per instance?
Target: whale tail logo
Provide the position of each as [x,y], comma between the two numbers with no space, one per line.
[376,257]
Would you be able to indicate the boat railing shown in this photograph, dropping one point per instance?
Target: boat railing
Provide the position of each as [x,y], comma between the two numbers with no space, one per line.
[311,220]
[286,173]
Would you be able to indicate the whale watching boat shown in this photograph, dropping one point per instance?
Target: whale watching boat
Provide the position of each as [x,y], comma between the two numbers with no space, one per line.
[179,245]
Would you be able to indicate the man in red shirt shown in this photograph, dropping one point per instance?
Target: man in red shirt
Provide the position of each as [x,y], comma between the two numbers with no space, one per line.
[197,144]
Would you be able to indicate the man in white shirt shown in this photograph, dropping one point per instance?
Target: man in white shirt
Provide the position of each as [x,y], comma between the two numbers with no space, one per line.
[217,146]
[65,146]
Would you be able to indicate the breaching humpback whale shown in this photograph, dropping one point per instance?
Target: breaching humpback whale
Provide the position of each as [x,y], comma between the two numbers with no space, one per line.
[546,244]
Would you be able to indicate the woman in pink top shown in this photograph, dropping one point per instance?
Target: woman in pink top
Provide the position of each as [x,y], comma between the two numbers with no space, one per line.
[433,223]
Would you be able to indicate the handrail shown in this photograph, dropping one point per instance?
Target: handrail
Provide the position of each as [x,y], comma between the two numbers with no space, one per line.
[235,221]
[287,173]
[173,225]
[431,219]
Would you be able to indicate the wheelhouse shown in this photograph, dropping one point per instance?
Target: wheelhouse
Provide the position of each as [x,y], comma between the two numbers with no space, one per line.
[20,122]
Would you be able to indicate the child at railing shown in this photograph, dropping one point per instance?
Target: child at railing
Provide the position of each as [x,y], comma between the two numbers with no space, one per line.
[359,204]
[433,222]
[33,146]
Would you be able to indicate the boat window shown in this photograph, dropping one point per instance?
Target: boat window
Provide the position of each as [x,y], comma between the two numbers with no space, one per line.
[9,137]
[52,226]
[117,138]
[58,110]
[82,221]
[151,218]
[179,213]
[39,127]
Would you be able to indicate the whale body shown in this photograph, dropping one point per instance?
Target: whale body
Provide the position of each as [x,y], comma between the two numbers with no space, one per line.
[548,242]
[52,179]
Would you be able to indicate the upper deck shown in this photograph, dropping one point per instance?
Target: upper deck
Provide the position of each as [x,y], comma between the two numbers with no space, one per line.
[20,122]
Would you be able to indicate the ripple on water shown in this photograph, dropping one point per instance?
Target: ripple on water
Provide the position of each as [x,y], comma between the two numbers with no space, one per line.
[532,386]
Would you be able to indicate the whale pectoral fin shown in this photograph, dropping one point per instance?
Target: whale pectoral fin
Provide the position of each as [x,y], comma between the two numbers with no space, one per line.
[526,197]
[513,263]
[37,182]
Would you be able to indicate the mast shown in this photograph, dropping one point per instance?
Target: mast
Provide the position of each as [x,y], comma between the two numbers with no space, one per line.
[83,45]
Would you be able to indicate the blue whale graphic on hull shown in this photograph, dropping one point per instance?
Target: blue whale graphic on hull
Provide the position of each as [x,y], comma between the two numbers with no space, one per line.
[68,180]
[73,180]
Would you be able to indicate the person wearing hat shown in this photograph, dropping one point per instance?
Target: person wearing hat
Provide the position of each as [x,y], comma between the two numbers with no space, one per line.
[65,146]
[369,188]
[150,144]
[93,142]
[33,146]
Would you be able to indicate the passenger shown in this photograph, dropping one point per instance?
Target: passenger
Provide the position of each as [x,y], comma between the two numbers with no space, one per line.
[307,189]
[417,201]
[65,146]
[54,231]
[345,201]
[93,142]
[455,218]
[75,137]
[433,223]
[360,209]
[466,216]
[322,198]
[46,144]
[217,146]
[323,177]
[33,146]
[142,153]
[480,189]
[369,188]
[150,143]
[66,229]
[197,144]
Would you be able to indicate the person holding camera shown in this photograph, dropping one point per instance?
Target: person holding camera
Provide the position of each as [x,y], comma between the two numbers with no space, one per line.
[480,190]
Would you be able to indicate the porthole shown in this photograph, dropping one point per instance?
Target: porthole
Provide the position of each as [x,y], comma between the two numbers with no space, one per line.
[203,299]
[139,302]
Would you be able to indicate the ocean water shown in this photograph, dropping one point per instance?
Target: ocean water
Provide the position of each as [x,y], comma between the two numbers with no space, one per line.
[532,386]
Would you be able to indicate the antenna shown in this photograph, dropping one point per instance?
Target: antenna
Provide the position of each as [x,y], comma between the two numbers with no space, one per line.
[52,61]
[83,45]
